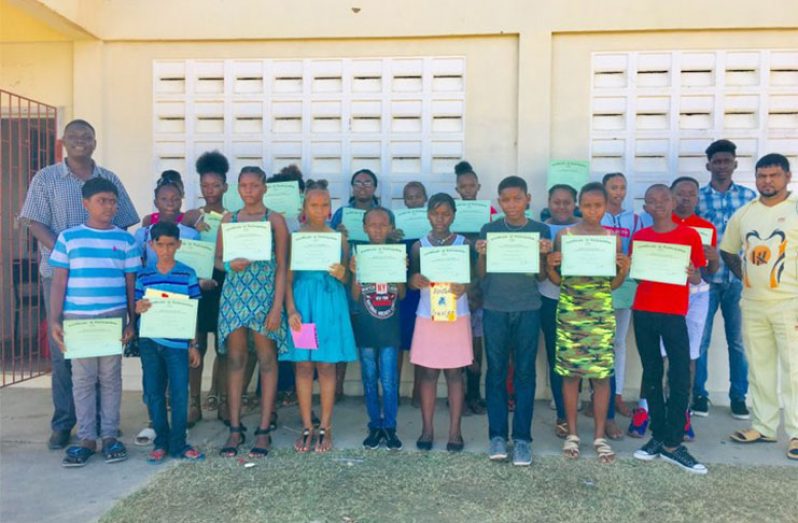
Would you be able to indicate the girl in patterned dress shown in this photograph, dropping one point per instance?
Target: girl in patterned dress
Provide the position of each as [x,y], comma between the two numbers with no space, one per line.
[586,325]
[252,302]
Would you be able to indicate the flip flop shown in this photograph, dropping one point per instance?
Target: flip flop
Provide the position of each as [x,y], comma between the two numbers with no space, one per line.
[77,456]
[145,437]
[114,451]
[792,449]
[750,436]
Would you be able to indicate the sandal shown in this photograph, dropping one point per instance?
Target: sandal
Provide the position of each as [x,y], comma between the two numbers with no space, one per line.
[212,402]
[231,451]
[194,412]
[114,451]
[750,436]
[604,451]
[191,454]
[304,441]
[145,437]
[792,449]
[561,429]
[261,452]
[77,456]
[612,431]
[324,441]
[570,448]
[156,456]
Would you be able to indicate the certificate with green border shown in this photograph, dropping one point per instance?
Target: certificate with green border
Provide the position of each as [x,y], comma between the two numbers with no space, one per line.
[248,240]
[446,264]
[471,215]
[705,233]
[588,255]
[169,318]
[413,222]
[381,263]
[213,220]
[315,251]
[352,219]
[284,198]
[92,338]
[513,252]
[660,262]
[198,255]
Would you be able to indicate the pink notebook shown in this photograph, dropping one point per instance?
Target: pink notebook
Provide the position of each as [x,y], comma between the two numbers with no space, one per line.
[305,338]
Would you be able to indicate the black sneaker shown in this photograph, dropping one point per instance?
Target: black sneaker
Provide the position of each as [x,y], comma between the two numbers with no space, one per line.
[650,451]
[700,406]
[374,439]
[739,410]
[391,441]
[682,458]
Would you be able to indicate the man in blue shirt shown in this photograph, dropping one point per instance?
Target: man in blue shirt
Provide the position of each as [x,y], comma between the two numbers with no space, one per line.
[717,202]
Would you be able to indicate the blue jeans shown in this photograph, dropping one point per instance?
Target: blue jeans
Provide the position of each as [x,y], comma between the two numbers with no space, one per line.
[727,296]
[548,324]
[64,418]
[519,330]
[162,365]
[385,371]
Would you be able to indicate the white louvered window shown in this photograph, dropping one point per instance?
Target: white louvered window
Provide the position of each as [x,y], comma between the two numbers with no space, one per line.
[654,113]
[403,118]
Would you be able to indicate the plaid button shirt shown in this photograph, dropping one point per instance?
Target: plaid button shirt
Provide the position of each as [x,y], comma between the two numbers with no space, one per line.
[54,199]
[718,207]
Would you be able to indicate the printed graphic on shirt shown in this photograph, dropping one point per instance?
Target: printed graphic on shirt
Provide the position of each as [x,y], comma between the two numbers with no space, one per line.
[380,299]
[765,254]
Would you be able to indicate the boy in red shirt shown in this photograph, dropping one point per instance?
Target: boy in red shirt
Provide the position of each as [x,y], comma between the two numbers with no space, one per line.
[659,311]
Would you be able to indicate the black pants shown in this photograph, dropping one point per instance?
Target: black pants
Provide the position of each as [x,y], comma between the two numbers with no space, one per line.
[667,418]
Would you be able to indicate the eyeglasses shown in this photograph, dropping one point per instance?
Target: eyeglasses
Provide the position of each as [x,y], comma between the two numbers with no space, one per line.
[363,183]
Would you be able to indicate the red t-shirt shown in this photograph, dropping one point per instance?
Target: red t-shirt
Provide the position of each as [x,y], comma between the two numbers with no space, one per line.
[696,221]
[667,298]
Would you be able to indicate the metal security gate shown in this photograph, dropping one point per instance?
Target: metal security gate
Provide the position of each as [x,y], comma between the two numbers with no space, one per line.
[27,143]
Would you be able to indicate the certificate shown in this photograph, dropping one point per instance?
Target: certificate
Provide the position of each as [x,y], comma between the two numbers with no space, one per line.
[413,222]
[705,233]
[283,197]
[471,215]
[447,264]
[212,220]
[169,318]
[381,263]
[249,240]
[315,251]
[232,200]
[513,252]
[198,255]
[575,173]
[92,338]
[588,255]
[660,262]
[352,219]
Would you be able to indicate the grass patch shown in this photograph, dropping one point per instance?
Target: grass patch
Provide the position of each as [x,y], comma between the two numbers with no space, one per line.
[358,486]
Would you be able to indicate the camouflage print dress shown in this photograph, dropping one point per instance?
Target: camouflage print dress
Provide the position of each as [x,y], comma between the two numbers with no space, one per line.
[585,328]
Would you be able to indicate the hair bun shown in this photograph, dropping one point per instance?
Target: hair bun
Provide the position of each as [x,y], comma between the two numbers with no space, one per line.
[316,184]
[463,167]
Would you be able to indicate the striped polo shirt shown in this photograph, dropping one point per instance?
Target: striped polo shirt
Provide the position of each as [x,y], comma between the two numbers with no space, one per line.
[181,280]
[97,261]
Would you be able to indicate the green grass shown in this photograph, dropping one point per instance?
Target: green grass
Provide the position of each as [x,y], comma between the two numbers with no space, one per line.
[357,486]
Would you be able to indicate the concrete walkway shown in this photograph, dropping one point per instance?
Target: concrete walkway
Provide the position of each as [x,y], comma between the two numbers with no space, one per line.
[34,487]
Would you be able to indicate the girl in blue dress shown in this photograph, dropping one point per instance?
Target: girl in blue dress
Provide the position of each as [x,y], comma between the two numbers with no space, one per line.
[319,297]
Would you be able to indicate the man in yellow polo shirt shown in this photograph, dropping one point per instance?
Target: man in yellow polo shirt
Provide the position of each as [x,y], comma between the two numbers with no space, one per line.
[766,231]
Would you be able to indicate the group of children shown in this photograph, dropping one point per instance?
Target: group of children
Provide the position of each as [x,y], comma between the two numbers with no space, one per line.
[253,306]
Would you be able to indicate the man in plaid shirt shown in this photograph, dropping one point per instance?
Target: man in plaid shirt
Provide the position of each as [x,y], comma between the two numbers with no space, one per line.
[717,202]
[53,204]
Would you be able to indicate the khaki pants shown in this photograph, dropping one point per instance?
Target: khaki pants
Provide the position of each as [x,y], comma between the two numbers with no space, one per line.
[770,334]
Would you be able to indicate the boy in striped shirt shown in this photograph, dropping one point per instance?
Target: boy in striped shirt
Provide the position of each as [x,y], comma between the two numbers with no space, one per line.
[94,273]
[166,361]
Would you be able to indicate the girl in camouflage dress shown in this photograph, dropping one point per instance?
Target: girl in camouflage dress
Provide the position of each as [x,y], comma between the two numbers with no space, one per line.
[586,325]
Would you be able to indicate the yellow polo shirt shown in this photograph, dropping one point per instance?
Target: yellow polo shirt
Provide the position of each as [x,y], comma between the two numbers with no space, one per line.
[768,237]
